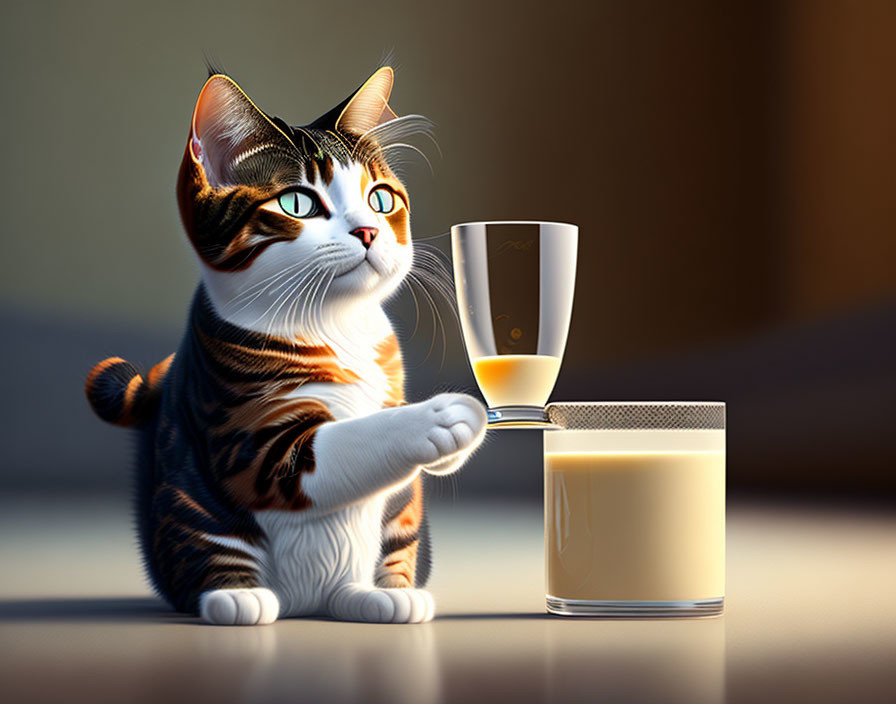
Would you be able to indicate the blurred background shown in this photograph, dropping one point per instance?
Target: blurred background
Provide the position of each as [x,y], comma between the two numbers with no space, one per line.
[730,166]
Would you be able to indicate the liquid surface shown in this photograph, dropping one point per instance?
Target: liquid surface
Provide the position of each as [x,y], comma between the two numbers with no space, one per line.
[635,526]
[516,379]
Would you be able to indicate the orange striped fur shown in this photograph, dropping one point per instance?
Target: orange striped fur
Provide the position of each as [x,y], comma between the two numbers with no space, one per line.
[114,377]
[401,539]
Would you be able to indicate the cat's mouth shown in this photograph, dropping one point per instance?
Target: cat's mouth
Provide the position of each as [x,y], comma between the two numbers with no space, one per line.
[354,267]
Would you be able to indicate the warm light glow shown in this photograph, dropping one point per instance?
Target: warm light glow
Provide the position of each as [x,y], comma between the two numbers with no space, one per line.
[516,379]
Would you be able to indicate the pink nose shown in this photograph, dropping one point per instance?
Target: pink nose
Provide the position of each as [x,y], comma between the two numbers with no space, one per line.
[365,234]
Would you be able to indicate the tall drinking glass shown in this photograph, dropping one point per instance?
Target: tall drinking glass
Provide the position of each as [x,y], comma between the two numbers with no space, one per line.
[515,282]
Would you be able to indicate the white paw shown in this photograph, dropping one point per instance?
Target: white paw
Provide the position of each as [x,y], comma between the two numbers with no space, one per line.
[444,430]
[353,602]
[411,605]
[239,607]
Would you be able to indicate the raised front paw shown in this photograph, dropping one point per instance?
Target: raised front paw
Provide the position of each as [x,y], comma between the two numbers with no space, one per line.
[443,431]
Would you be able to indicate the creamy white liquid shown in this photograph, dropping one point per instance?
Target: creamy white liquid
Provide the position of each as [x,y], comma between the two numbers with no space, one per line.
[630,525]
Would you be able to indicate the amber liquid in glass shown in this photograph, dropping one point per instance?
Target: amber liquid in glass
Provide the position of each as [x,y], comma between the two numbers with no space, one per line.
[516,379]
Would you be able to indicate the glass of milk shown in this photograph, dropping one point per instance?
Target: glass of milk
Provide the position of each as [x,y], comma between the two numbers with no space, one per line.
[635,509]
[515,282]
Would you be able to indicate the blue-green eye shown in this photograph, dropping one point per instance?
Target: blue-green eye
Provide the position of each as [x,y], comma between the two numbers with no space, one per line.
[298,204]
[381,200]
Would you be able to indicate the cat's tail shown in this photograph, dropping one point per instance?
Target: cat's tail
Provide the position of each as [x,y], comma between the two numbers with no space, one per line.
[119,394]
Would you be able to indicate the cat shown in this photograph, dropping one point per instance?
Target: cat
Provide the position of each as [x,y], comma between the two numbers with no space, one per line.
[278,465]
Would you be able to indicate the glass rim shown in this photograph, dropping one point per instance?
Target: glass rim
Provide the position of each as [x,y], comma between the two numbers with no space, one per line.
[514,222]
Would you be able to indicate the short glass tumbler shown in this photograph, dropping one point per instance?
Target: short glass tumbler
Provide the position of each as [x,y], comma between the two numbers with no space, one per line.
[635,509]
[515,282]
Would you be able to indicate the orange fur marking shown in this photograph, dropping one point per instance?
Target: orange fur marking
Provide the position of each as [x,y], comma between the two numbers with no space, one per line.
[187,500]
[100,368]
[158,372]
[128,406]
[399,219]
[389,360]
[412,514]
[398,569]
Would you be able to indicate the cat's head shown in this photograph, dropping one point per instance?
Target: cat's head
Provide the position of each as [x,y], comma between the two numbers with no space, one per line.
[287,213]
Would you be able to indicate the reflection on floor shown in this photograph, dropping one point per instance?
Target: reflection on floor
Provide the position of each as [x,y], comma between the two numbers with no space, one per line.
[809,610]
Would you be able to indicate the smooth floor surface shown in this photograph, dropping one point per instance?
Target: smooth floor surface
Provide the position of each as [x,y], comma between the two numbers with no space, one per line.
[810,617]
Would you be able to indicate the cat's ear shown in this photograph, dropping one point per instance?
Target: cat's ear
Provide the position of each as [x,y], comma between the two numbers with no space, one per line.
[226,128]
[366,108]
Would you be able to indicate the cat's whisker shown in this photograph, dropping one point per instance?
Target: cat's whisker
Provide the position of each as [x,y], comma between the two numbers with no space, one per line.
[316,321]
[293,276]
[282,273]
[291,322]
[304,303]
[296,277]
[438,324]
[268,280]
[407,284]
[432,237]
[412,283]
[411,147]
[311,265]
[303,295]
[430,273]
[431,263]
[442,286]
[295,292]
[290,308]
[294,317]
[269,289]
[249,290]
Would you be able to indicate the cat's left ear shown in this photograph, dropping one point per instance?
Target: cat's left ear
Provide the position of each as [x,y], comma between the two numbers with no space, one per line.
[366,108]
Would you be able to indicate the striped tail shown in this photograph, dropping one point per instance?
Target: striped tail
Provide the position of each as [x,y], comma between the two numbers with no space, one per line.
[119,394]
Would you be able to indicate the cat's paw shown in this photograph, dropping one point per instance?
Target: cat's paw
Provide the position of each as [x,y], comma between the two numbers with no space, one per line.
[356,602]
[239,607]
[443,431]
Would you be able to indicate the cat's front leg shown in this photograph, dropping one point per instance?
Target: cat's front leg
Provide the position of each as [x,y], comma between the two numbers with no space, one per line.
[363,456]
[453,426]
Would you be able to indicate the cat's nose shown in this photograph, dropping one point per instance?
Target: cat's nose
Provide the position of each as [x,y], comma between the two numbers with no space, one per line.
[365,234]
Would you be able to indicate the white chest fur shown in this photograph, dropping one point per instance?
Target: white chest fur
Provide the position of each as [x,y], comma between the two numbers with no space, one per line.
[358,355]
[350,400]
[308,556]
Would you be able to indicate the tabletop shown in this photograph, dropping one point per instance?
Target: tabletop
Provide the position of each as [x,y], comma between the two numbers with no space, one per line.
[810,616]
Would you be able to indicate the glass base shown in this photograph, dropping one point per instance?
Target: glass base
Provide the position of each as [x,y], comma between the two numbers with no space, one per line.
[635,609]
[518,417]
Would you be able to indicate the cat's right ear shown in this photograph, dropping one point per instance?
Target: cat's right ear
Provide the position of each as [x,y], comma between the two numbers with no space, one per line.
[226,128]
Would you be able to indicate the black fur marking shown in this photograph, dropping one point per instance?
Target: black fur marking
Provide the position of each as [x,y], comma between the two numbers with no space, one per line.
[398,542]
[396,503]
[424,553]
[107,392]
[177,499]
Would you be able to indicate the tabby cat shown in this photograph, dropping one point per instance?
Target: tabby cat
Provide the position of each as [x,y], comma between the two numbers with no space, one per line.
[278,466]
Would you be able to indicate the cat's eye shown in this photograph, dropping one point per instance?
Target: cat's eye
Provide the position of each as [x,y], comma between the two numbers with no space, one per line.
[298,204]
[381,200]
